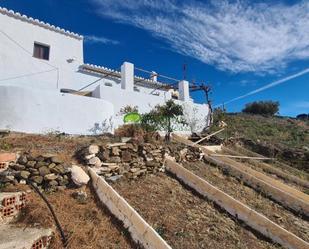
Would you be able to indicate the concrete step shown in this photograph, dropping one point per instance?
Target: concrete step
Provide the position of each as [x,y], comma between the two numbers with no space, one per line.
[12,237]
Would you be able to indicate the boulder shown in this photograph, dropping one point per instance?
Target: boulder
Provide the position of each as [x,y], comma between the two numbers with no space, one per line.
[78,175]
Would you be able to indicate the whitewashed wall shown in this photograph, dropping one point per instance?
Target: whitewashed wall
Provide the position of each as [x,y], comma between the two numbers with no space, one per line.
[15,61]
[30,107]
[40,111]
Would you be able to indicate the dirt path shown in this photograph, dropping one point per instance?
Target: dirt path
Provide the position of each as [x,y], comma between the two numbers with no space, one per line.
[253,199]
[184,219]
[88,225]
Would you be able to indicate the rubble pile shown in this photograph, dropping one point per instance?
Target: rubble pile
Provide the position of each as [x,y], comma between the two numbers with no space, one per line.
[183,153]
[46,171]
[124,159]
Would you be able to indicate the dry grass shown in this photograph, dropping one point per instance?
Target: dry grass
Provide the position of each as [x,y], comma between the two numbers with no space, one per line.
[87,225]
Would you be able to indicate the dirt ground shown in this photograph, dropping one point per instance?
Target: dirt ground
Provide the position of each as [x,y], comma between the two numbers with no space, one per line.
[63,145]
[184,219]
[253,199]
[88,226]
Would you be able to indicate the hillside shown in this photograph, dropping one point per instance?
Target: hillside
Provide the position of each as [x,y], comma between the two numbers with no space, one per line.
[283,138]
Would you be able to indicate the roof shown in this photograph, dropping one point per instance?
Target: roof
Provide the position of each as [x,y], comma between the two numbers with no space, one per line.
[117,74]
[37,22]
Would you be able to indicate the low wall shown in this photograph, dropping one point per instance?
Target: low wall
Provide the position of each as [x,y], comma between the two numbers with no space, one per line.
[139,229]
[237,209]
[273,170]
[282,193]
[38,111]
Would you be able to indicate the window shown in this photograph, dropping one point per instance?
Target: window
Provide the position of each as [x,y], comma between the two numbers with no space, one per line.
[41,51]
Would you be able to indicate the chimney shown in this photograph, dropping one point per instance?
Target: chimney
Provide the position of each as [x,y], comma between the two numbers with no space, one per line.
[183,87]
[127,76]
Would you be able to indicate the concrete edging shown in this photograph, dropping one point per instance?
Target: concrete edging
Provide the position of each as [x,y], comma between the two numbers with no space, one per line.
[272,169]
[274,189]
[141,232]
[237,209]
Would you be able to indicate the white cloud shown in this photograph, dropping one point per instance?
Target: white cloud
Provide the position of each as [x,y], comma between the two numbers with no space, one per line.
[234,36]
[99,39]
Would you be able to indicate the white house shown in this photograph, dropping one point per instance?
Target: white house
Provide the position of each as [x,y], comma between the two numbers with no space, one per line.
[45,86]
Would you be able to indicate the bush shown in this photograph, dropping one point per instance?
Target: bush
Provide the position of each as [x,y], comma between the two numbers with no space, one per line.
[162,117]
[303,116]
[267,108]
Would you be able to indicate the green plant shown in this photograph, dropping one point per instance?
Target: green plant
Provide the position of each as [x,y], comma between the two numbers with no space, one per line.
[128,109]
[267,108]
[162,117]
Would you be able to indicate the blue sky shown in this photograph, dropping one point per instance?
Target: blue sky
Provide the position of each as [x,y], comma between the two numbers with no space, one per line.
[235,46]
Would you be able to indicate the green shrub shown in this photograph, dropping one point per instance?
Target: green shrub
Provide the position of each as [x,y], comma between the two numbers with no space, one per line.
[162,117]
[267,108]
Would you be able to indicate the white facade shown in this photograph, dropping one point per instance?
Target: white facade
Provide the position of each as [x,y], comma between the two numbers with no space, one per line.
[34,84]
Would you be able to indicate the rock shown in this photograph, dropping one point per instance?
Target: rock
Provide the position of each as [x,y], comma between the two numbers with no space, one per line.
[153,164]
[40,159]
[50,177]
[53,183]
[17,167]
[59,169]
[78,175]
[56,160]
[52,165]
[37,179]
[24,174]
[93,149]
[31,164]
[40,164]
[133,170]
[48,155]
[139,172]
[23,159]
[126,156]
[95,161]
[115,151]
[104,156]
[115,159]
[114,178]
[88,157]
[44,171]
[23,182]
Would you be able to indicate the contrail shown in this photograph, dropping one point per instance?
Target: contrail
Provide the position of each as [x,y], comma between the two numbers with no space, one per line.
[272,84]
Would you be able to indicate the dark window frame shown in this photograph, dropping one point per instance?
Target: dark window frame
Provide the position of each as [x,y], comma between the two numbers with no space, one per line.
[41,55]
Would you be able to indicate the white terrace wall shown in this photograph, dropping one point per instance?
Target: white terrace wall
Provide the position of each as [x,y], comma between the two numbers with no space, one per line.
[17,36]
[40,111]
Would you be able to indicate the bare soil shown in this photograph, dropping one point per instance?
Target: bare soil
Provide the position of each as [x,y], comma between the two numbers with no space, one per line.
[253,199]
[184,219]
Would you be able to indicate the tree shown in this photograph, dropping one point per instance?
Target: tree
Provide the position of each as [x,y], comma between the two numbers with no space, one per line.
[162,117]
[267,108]
[303,116]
